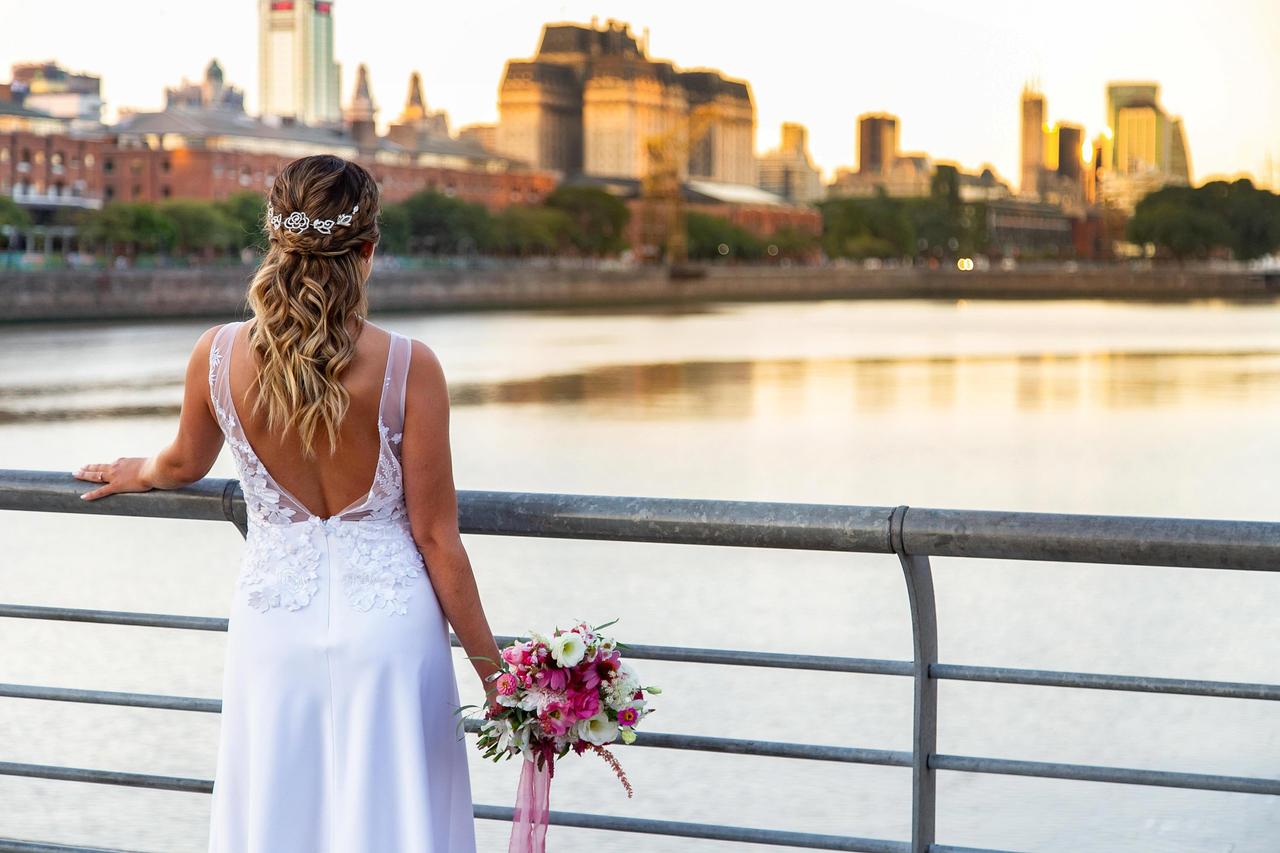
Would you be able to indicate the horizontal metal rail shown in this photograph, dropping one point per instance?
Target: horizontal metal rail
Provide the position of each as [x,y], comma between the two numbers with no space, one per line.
[489,812]
[1094,773]
[15,845]
[738,657]
[913,534]
[1129,540]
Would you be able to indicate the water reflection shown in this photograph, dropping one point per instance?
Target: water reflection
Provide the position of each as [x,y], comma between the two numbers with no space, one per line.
[782,387]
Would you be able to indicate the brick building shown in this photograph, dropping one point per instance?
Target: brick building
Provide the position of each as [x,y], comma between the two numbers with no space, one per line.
[212,154]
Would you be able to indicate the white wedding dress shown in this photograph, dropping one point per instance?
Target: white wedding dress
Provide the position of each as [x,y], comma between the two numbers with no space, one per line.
[338,733]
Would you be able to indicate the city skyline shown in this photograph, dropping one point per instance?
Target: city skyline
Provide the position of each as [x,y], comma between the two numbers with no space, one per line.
[969,114]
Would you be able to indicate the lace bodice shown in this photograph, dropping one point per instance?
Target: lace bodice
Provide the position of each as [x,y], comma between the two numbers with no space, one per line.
[283,546]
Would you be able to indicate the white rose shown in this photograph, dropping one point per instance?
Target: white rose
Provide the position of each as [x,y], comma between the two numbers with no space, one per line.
[567,649]
[598,729]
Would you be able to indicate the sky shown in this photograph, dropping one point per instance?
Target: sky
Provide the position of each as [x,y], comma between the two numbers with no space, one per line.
[952,71]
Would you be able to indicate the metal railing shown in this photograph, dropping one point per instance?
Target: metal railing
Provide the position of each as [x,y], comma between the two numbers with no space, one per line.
[912,534]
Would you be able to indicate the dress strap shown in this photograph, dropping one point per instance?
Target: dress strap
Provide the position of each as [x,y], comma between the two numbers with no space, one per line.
[219,364]
[396,379]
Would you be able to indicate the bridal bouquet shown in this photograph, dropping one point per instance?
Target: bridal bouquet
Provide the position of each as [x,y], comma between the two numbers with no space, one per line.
[570,690]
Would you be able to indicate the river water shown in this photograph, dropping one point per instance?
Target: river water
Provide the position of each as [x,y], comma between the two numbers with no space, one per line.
[1071,407]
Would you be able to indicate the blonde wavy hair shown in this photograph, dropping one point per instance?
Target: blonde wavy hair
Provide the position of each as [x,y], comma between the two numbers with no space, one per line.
[303,294]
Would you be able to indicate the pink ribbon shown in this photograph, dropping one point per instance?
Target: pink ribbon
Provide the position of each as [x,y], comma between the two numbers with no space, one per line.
[533,798]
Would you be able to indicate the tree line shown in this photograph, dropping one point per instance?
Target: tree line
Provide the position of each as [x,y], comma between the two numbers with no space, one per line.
[1214,219]
[882,226]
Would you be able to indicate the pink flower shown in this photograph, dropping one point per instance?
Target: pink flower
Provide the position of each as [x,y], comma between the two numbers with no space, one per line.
[506,684]
[584,705]
[628,716]
[585,676]
[607,666]
[555,718]
[552,678]
[513,655]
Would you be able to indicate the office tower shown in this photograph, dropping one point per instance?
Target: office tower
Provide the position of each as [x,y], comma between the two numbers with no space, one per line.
[297,77]
[877,143]
[1145,139]
[788,170]
[591,100]
[1033,127]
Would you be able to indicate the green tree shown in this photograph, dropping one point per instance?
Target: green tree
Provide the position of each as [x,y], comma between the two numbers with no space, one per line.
[441,224]
[876,227]
[1184,231]
[597,220]
[393,223]
[1191,222]
[520,230]
[11,214]
[794,242]
[244,213]
[707,234]
[129,227]
[196,226]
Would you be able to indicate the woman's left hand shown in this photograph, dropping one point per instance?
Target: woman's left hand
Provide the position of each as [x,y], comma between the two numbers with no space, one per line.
[123,475]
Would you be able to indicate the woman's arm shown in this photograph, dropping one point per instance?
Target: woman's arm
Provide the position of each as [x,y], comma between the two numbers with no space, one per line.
[188,458]
[432,504]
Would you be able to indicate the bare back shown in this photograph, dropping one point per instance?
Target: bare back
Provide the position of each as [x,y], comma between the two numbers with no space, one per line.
[329,483]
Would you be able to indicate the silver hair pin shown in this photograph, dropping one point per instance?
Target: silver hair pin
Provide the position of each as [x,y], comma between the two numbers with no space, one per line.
[297,222]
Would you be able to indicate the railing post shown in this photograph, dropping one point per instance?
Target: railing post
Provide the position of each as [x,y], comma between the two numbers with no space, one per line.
[239,519]
[924,634]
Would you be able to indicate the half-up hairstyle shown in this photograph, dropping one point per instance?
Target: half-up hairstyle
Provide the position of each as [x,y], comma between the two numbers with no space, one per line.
[306,290]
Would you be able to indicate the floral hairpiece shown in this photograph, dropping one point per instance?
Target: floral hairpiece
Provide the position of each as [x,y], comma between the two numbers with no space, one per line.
[297,222]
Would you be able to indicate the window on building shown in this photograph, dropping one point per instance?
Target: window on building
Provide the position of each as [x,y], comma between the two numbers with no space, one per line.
[4,155]
[137,190]
[164,165]
[56,159]
[39,158]
[88,161]
[135,167]
[109,193]
[165,191]
[108,165]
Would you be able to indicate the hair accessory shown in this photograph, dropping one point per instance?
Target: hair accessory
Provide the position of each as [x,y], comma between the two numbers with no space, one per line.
[297,222]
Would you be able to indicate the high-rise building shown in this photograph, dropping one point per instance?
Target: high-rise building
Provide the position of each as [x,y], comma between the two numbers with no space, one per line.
[1070,156]
[881,166]
[1033,127]
[1148,148]
[788,170]
[592,101]
[1145,138]
[297,76]
[877,142]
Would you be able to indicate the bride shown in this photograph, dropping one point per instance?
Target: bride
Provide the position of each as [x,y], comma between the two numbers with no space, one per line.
[338,730]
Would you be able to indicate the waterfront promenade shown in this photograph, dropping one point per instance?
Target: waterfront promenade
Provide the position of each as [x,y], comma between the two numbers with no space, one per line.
[83,295]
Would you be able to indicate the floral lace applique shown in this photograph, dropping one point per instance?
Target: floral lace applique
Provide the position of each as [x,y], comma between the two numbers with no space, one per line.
[382,563]
[279,569]
[261,500]
[281,562]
